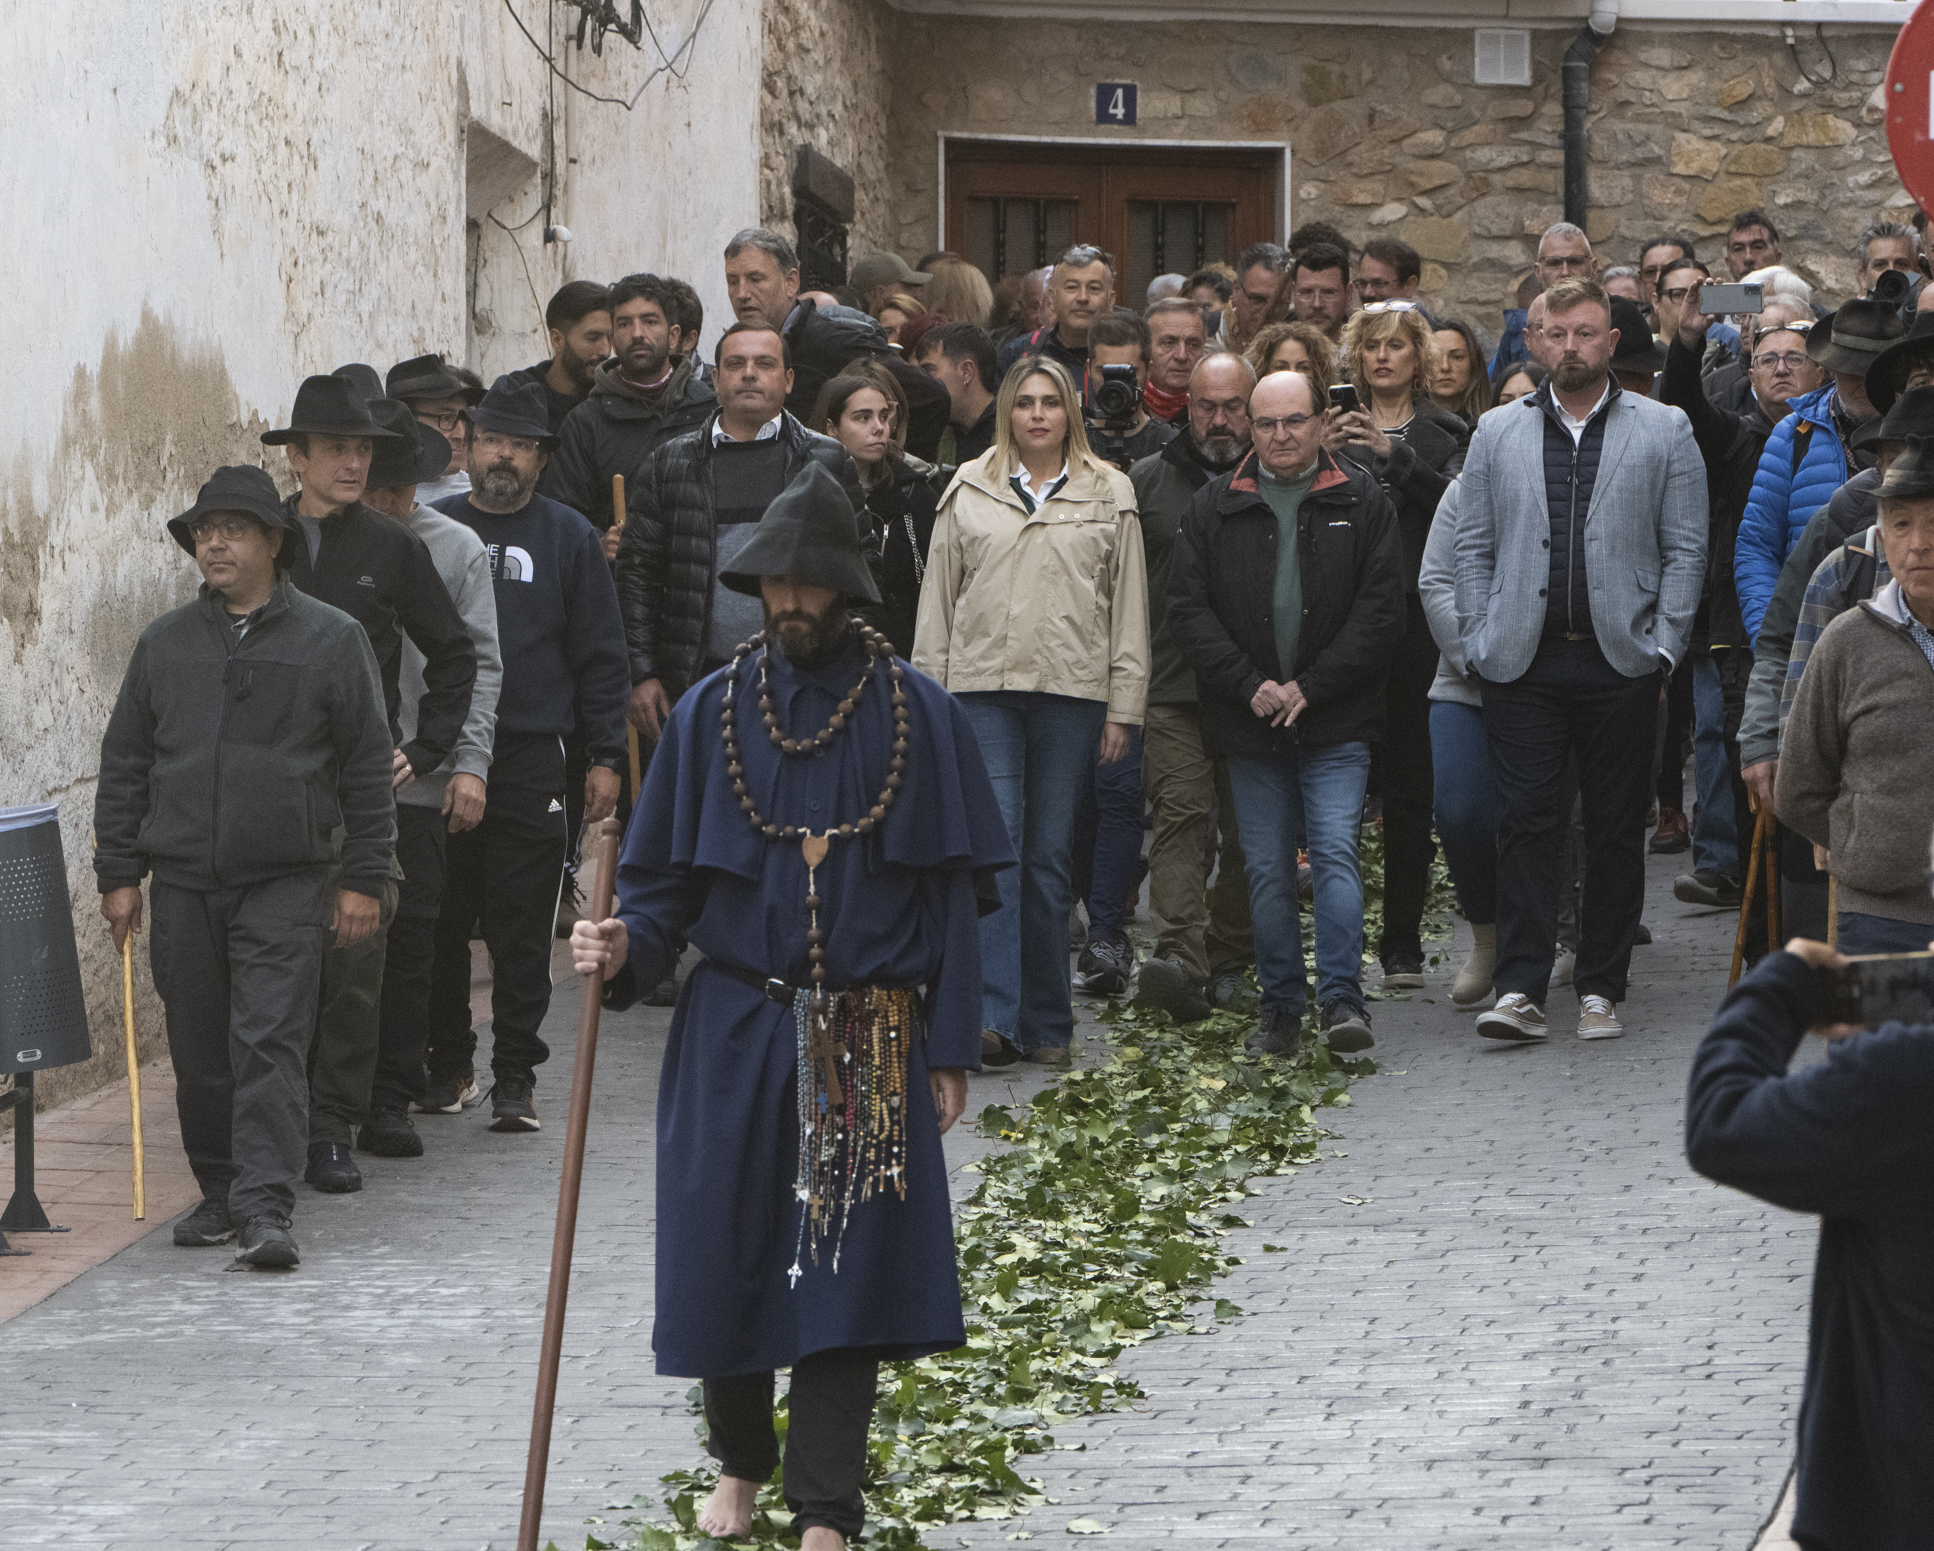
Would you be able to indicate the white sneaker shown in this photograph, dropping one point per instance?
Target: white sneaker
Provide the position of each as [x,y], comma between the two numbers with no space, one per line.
[1516,1017]
[1598,1019]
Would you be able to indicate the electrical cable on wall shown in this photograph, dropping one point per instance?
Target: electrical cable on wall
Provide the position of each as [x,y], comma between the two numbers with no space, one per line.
[669,62]
[1793,48]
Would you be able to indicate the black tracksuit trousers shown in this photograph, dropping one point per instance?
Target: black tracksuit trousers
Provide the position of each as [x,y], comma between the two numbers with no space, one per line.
[1409,844]
[828,1410]
[404,1036]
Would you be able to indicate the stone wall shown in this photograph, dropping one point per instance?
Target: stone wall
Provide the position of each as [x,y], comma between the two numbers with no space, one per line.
[1388,134]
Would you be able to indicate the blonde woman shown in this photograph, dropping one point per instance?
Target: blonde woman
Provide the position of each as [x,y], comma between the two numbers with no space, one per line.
[1034,613]
[960,291]
[1295,347]
[1414,449]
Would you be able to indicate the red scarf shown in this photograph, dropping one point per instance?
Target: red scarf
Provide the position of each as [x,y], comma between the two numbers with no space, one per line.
[1162,404]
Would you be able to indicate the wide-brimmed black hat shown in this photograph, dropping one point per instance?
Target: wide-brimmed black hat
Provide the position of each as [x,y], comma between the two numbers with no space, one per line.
[1855,337]
[237,488]
[1637,350]
[420,452]
[515,409]
[362,377]
[1911,475]
[1912,414]
[427,377]
[326,406]
[810,533]
[1892,365]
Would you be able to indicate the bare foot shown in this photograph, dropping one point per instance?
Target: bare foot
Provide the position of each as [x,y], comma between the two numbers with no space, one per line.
[820,1538]
[727,1513]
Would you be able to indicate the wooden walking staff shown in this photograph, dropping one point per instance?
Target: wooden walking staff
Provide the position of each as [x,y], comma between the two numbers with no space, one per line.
[591,999]
[631,732]
[134,1078]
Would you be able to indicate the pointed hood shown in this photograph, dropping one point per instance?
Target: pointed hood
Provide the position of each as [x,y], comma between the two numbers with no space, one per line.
[811,533]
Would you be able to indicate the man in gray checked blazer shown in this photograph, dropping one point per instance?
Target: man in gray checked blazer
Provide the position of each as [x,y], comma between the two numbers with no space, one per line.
[1581,553]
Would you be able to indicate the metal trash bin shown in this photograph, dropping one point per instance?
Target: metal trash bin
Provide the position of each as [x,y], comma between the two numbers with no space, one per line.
[43,1019]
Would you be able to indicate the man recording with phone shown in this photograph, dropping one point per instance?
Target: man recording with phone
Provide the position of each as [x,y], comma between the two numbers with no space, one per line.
[1119,427]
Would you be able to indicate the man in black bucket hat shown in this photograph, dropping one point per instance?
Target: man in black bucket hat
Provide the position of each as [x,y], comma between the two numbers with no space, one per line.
[562,644]
[247,767]
[349,555]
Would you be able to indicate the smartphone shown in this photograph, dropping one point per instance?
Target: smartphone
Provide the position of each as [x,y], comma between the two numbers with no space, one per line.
[1876,989]
[1343,397]
[1727,301]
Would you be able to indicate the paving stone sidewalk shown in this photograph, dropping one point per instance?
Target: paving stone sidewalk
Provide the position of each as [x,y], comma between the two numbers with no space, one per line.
[1506,1315]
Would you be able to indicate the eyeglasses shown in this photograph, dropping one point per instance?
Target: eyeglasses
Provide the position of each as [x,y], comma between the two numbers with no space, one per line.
[230,528]
[445,421]
[1677,294]
[1791,360]
[1396,304]
[1289,425]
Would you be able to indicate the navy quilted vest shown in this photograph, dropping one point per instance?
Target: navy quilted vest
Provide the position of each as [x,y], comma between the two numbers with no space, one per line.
[1571,471]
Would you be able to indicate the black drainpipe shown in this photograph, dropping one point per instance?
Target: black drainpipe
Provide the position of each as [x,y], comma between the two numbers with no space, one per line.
[1578,100]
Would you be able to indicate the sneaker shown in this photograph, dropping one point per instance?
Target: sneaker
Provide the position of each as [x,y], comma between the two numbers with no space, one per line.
[332,1168]
[389,1134]
[206,1225]
[996,1049]
[1346,1029]
[1165,984]
[665,993]
[1232,989]
[449,1095]
[266,1241]
[1598,1019]
[1050,1055]
[511,1109]
[1104,966]
[1516,1017]
[1403,972]
[1673,834]
[1473,982]
[1077,930]
[1563,966]
[1279,1032]
[1707,886]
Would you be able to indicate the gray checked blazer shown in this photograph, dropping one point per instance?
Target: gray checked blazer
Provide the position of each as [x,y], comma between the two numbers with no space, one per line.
[1645,538]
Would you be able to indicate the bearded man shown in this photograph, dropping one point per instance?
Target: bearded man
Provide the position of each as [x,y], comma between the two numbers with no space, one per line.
[817,821]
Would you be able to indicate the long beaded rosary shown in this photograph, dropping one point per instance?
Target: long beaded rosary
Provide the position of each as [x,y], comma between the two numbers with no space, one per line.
[852,1136]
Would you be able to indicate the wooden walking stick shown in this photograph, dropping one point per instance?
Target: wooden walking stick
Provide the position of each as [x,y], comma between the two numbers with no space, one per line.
[1746,897]
[631,733]
[134,1078]
[590,1000]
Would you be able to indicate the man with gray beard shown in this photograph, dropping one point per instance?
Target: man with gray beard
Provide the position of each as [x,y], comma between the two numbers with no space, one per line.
[1202,943]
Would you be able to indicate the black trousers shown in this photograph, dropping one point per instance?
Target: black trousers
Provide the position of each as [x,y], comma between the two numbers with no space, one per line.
[1408,845]
[1570,703]
[239,971]
[404,1034]
[505,872]
[828,1409]
[1678,736]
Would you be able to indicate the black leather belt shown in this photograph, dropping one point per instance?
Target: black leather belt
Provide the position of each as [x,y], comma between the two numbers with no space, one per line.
[777,990]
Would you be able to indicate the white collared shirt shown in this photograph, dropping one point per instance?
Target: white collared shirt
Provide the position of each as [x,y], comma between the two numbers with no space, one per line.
[766,432]
[1035,495]
[1577,427]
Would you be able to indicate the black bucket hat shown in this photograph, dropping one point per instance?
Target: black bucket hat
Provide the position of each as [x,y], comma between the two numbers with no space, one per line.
[1637,350]
[1911,475]
[326,406]
[1912,414]
[238,488]
[419,453]
[810,533]
[515,409]
[427,377]
[1892,365]
[1855,337]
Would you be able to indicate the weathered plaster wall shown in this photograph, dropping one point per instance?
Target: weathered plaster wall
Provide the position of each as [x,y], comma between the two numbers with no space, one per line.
[1388,134]
[214,198]
[828,83]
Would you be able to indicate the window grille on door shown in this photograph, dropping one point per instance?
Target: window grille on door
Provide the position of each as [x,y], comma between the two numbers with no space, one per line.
[1173,237]
[1012,236]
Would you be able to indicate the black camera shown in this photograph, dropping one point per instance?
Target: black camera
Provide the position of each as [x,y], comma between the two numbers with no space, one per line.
[1117,397]
[1894,288]
[1881,988]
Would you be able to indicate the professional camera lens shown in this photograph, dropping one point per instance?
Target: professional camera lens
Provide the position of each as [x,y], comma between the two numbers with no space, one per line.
[1891,286]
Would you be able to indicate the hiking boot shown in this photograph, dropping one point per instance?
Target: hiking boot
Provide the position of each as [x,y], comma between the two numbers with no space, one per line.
[1165,984]
[332,1168]
[1104,966]
[1673,834]
[1473,982]
[1346,1029]
[1598,1019]
[206,1225]
[1050,1055]
[1403,972]
[266,1241]
[1232,989]
[1516,1017]
[996,1049]
[511,1106]
[450,1094]
[389,1134]
[1279,1032]
[1707,886]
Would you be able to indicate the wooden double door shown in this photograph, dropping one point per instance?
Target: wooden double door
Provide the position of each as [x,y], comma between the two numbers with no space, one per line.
[1014,206]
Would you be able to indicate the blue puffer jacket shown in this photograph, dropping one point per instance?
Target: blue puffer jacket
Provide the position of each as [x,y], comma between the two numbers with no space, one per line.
[1784,498]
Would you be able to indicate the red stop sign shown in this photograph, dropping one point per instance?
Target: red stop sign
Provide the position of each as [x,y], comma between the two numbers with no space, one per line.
[1910,104]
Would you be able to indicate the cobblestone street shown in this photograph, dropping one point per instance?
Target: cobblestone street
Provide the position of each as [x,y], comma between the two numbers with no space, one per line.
[1504,1313]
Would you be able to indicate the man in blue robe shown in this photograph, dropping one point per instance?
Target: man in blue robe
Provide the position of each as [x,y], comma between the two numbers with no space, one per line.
[830,850]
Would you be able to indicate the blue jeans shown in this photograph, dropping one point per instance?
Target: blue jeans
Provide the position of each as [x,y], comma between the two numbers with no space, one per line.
[1319,796]
[1108,840]
[1039,751]
[1466,798]
[1715,835]
[1881,934]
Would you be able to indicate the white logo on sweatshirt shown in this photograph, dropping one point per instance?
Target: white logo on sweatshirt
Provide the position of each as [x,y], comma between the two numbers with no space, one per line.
[511,564]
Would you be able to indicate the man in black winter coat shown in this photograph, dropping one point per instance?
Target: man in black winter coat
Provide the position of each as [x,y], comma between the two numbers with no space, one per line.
[249,730]
[383,576]
[578,320]
[1286,595]
[695,506]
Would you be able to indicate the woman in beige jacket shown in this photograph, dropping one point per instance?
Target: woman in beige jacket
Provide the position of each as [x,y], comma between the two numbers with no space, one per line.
[1035,613]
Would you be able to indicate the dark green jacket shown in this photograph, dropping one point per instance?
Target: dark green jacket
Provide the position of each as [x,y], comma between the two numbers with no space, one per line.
[229,762]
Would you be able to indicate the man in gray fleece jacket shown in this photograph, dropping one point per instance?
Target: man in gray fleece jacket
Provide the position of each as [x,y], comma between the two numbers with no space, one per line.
[1859,742]
[249,725]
